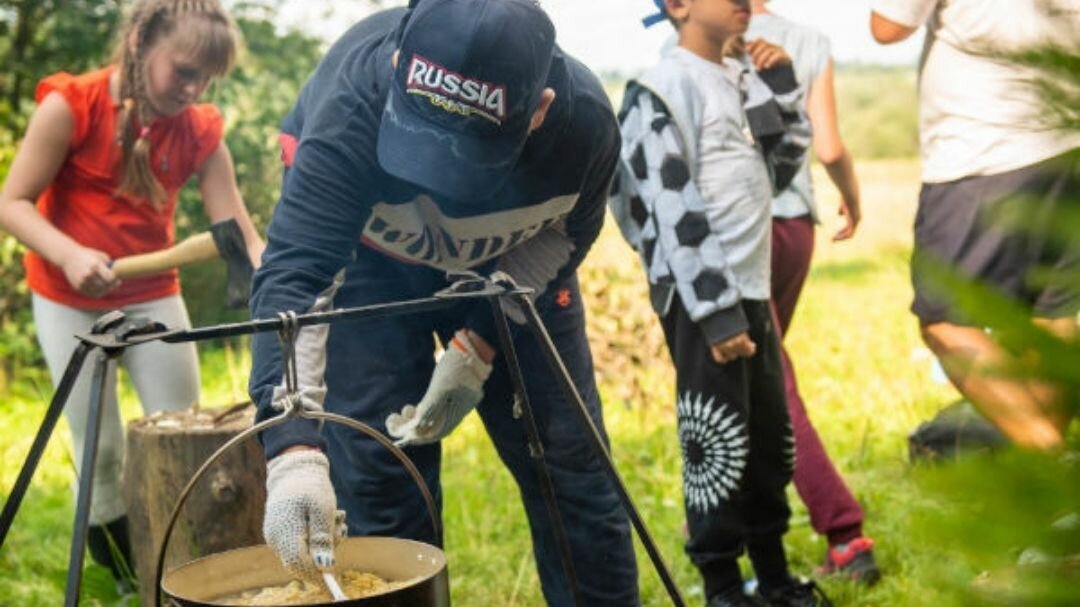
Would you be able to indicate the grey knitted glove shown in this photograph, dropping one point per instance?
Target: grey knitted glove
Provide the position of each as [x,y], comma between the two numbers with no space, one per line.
[456,387]
[302,522]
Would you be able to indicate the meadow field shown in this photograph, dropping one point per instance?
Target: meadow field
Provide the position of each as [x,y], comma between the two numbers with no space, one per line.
[864,375]
[948,536]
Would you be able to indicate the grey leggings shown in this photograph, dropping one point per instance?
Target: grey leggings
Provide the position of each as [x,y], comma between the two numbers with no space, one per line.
[166,377]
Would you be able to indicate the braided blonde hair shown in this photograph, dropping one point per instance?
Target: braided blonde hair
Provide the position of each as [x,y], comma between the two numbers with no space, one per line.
[200,29]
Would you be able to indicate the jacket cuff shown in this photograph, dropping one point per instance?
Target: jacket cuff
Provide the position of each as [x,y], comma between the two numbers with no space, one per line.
[291,433]
[724,324]
[781,79]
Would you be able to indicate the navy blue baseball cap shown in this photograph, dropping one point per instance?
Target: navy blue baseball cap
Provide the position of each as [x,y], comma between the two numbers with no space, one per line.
[469,76]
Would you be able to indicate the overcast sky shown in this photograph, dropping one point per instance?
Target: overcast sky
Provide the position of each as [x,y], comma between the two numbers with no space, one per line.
[608,35]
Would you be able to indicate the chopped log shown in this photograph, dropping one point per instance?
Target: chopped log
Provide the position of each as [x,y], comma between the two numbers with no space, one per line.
[224,509]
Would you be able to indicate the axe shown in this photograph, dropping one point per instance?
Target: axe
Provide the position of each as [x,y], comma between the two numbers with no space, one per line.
[224,240]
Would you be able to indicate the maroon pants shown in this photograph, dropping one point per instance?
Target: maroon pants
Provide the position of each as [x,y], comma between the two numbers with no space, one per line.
[834,512]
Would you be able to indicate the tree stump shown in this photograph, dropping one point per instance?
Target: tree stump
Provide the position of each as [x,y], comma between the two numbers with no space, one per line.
[224,509]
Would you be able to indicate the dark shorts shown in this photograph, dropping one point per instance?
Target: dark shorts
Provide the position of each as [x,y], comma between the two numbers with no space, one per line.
[1010,231]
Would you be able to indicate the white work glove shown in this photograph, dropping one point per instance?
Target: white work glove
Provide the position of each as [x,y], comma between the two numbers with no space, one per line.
[302,522]
[456,387]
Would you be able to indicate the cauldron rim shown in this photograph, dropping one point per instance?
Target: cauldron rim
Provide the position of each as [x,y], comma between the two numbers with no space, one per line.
[434,570]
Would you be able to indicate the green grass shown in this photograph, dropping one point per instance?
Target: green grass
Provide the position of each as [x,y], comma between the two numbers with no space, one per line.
[864,374]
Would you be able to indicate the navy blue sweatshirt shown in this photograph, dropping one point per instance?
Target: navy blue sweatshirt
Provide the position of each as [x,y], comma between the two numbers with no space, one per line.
[335,197]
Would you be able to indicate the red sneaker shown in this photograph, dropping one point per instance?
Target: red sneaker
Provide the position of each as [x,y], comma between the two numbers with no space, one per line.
[853,560]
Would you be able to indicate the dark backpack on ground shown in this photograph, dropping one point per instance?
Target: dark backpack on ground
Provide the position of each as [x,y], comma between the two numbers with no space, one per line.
[955,430]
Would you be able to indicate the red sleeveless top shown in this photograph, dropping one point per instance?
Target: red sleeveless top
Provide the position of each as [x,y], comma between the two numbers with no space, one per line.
[82,202]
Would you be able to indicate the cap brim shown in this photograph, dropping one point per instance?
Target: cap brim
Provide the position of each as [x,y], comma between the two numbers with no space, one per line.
[459,165]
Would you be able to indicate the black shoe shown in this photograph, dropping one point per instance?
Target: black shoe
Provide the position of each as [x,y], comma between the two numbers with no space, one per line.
[801,593]
[110,547]
[737,598]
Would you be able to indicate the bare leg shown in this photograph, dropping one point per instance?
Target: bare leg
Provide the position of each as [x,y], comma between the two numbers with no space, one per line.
[1054,401]
[1031,414]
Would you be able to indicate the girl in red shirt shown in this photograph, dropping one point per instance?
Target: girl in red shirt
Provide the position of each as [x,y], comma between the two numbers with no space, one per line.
[96,178]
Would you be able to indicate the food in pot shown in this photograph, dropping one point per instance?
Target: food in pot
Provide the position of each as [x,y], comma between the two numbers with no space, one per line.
[356,584]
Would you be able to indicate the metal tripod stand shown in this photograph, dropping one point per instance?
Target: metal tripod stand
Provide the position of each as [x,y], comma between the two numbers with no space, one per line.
[113,333]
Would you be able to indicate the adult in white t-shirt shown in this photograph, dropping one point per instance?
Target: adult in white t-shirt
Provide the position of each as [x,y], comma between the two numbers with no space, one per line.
[834,511]
[985,139]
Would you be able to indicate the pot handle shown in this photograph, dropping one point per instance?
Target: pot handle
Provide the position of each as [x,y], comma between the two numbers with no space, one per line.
[436,523]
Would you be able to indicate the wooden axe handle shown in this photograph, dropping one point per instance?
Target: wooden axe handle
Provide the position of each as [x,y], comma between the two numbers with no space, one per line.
[199,247]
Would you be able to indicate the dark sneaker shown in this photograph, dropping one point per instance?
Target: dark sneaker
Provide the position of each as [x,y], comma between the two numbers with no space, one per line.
[737,598]
[801,593]
[853,560]
[110,546]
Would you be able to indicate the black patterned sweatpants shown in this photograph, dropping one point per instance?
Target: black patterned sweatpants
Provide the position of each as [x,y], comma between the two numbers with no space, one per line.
[736,440]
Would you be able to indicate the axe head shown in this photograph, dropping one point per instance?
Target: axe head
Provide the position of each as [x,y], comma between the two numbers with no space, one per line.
[229,241]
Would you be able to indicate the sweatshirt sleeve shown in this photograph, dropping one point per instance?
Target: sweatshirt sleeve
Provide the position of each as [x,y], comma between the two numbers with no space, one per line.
[662,214]
[311,238]
[777,115]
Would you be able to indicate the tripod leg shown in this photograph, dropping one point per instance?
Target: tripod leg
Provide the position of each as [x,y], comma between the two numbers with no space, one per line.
[86,481]
[56,407]
[536,449]
[536,325]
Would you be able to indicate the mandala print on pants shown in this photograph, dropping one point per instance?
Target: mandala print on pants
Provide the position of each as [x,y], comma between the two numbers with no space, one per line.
[714,449]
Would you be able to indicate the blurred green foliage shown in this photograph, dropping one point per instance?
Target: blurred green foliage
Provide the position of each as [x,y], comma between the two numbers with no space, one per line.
[38,37]
[1056,79]
[1010,525]
[877,107]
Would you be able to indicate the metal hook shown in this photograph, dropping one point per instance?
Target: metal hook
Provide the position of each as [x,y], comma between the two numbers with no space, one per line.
[290,328]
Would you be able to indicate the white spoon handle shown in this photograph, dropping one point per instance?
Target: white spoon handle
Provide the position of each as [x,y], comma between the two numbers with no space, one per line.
[333,586]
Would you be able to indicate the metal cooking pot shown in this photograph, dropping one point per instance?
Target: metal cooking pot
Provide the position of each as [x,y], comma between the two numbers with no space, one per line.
[201,583]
